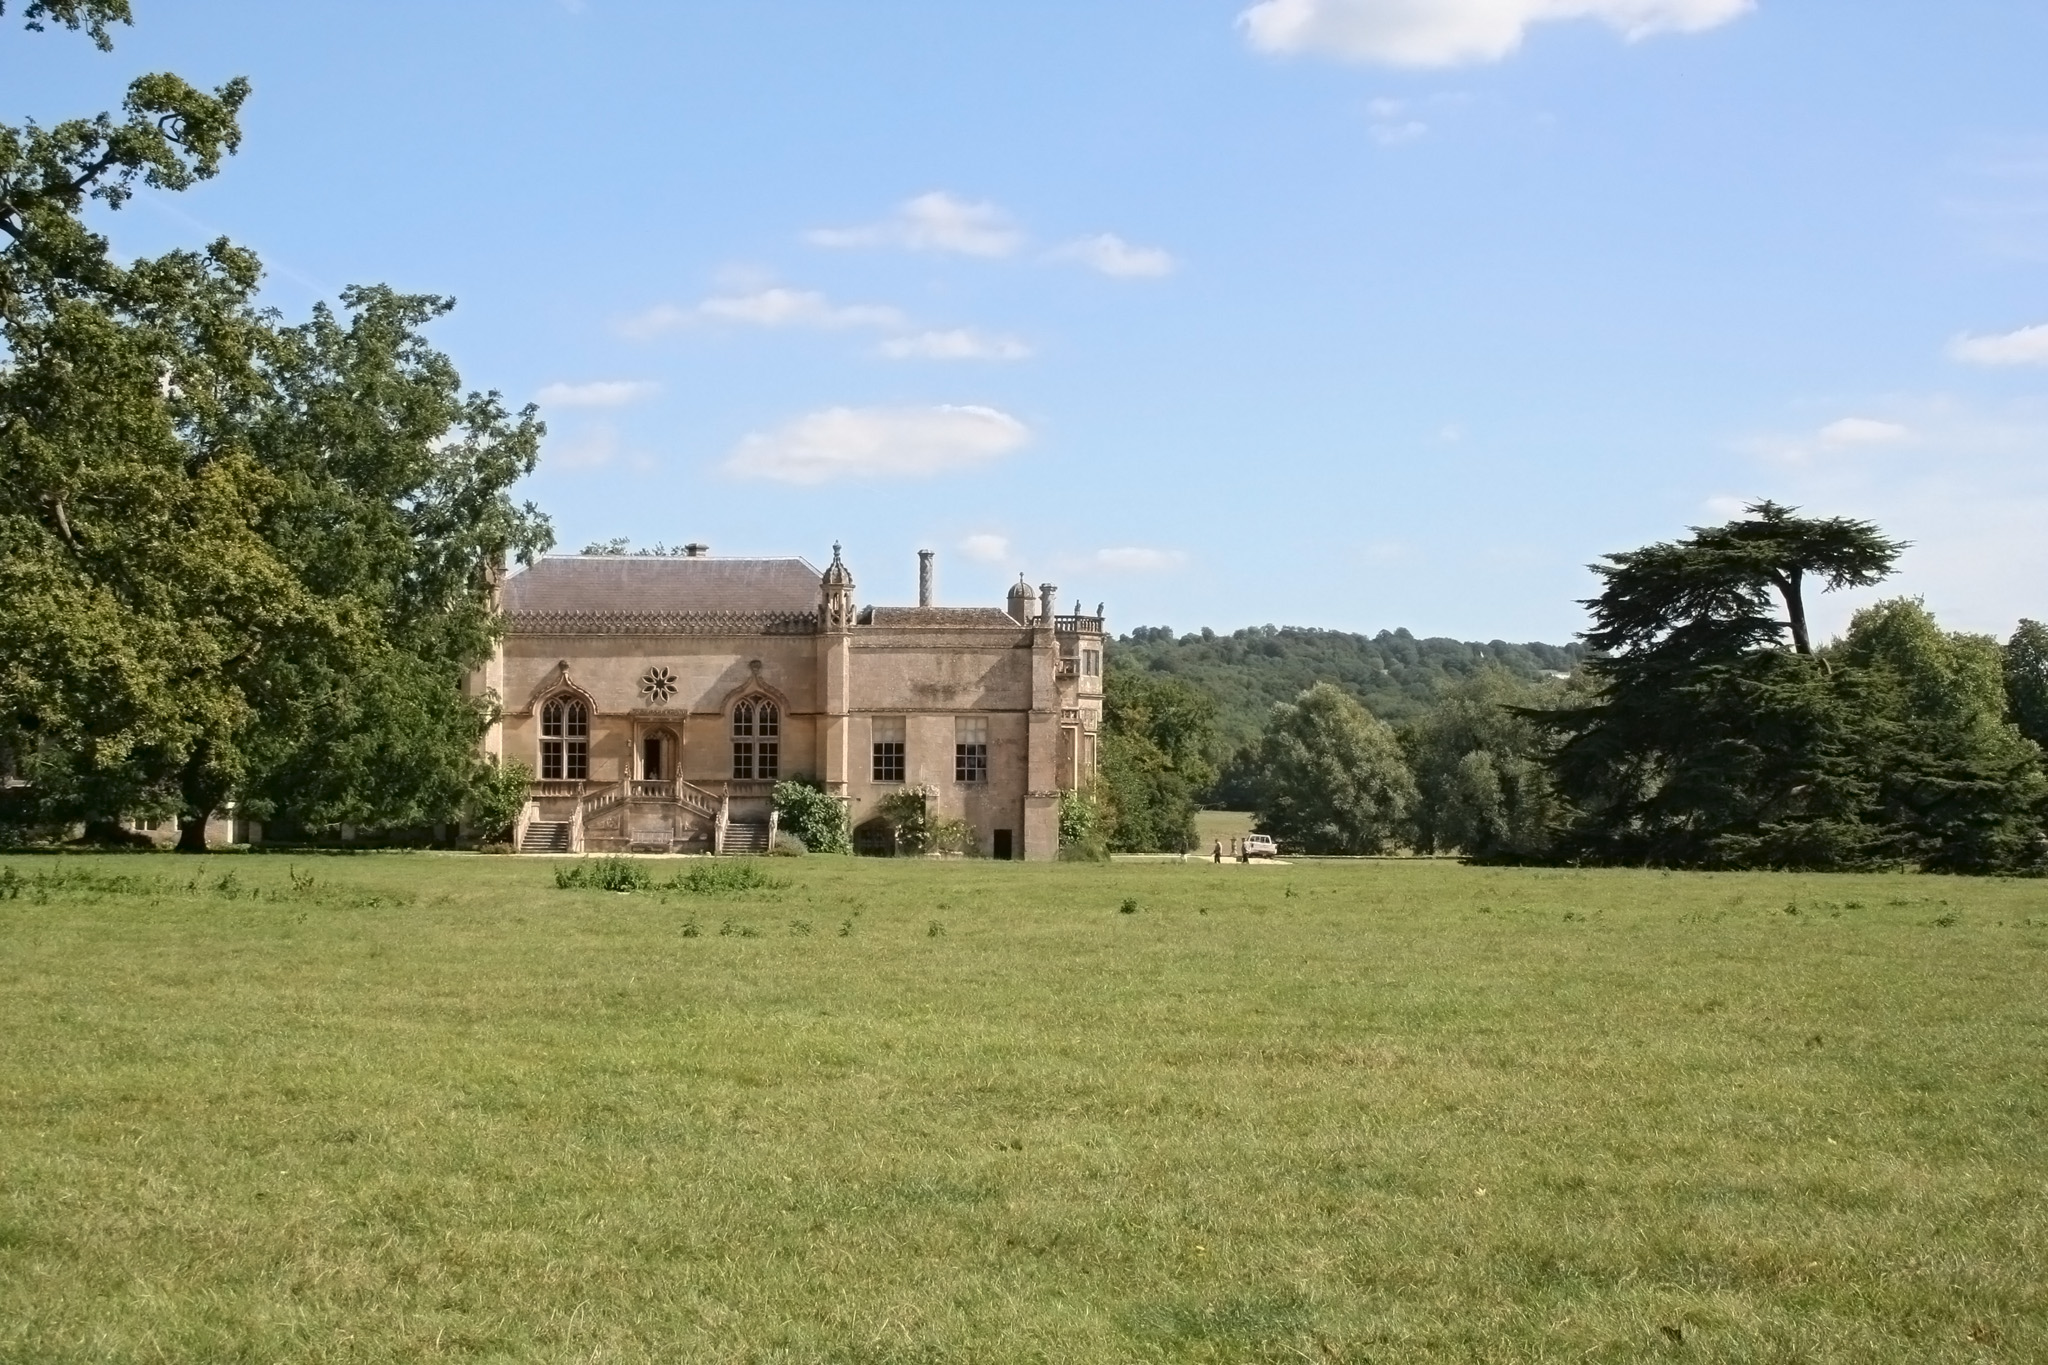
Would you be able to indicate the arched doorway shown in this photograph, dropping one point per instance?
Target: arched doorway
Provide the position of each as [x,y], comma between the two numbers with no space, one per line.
[658,754]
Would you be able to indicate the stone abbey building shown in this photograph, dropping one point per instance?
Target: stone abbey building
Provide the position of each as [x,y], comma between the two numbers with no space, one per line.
[658,699]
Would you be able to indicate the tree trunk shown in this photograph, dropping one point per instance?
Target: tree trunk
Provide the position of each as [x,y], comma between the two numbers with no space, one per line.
[192,832]
[1795,608]
[203,791]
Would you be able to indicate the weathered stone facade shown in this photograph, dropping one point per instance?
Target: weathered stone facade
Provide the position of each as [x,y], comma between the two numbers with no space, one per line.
[659,699]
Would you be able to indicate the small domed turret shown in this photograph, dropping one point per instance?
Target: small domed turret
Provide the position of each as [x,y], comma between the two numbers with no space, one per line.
[837,575]
[835,595]
[1021,601]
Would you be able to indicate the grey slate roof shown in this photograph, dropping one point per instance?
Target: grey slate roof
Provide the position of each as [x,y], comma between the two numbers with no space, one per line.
[652,584]
[941,617]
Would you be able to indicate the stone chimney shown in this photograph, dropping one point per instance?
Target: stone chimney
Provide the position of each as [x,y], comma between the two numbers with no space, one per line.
[924,578]
[1046,593]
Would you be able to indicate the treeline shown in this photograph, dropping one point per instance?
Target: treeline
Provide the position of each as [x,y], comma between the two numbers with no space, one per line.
[1397,676]
[238,557]
[1703,728]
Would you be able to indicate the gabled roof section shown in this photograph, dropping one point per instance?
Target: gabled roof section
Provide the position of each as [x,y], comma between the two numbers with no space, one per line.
[660,585]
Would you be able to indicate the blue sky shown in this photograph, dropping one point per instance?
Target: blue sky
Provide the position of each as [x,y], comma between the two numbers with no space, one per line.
[1351,313]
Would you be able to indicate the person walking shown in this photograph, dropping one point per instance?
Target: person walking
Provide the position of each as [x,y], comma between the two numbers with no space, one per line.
[1219,853]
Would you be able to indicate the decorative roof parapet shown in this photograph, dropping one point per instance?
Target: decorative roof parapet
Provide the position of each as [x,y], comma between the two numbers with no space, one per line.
[661,623]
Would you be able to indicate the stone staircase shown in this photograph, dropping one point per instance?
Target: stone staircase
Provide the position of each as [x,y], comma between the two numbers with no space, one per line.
[546,836]
[743,837]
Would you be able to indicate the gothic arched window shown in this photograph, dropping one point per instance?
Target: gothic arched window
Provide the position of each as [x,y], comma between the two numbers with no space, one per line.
[756,740]
[564,740]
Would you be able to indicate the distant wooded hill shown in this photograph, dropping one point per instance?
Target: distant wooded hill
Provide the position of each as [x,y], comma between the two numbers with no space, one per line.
[1394,674]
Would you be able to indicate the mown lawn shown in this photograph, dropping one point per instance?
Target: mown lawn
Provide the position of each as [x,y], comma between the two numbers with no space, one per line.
[419,1107]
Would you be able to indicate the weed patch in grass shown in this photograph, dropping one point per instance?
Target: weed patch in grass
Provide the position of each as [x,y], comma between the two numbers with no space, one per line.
[727,877]
[604,874]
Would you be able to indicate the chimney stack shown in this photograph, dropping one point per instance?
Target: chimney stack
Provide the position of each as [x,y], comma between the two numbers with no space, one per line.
[924,578]
[1046,593]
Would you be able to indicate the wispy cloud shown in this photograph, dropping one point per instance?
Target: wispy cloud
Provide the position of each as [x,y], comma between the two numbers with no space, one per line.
[986,548]
[1112,255]
[775,306]
[1863,431]
[1453,32]
[1392,124]
[1138,559]
[1841,437]
[937,221]
[960,343]
[601,393]
[866,443]
[2027,346]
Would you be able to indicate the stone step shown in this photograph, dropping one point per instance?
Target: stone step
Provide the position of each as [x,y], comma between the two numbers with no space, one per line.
[746,837]
[546,836]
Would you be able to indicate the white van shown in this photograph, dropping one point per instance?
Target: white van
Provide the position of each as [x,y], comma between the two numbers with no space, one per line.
[1260,846]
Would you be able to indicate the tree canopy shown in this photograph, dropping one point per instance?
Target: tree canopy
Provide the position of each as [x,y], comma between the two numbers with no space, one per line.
[1331,776]
[1481,771]
[1719,736]
[1157,734]
[238,560]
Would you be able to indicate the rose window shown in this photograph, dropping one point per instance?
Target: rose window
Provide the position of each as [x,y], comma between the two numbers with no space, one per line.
[658,684]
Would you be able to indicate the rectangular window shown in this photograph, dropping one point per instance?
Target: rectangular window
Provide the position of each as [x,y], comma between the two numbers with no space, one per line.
[767,760]
[743,760]
[970,749]
[1091,663]
[889,748]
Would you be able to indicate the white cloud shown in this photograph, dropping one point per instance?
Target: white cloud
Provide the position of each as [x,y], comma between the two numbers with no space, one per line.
[1112,255]
[1835,440]
[775,306]
[780,307]
[2027,346]
[602,393]
[961,343]
[933,222]
[986,548]
[1138,559]
[1451,32]
[1392,124]
[877,443]
[1862,431]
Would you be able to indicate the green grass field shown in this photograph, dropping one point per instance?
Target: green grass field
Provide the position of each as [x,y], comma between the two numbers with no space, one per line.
[420,1107]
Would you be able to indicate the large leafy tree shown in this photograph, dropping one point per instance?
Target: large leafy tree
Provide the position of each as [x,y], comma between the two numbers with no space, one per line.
[1481,770]
[1957,786]
[2026,680]
[235,559]
[1331,776]
[1157,734]
[395,512]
